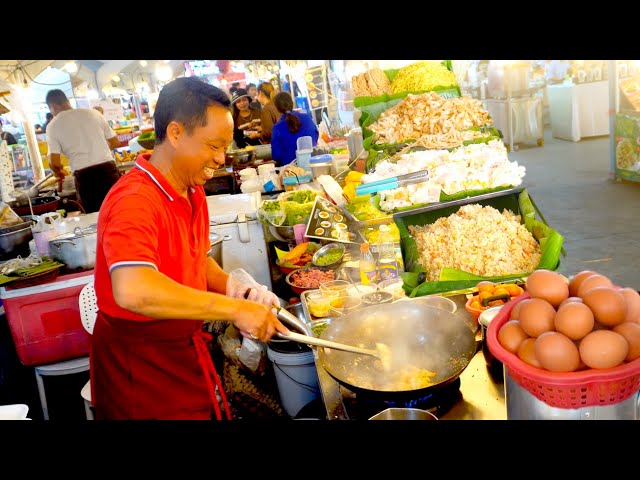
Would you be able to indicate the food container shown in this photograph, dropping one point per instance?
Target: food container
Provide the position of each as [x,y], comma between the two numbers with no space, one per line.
[298,289]
[339,286]
[511,199]
[484,320]
[39,205]
[76,249]
[319,302]
[572,391]
[318,169]
[393,286]
[14,240]
[358,289]
[376,298]
[343,305]
[327,249]
[404,414]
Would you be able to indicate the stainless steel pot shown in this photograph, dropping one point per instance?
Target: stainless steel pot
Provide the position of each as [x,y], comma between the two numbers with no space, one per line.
[404,414]
[216,247]
[15,240]
[523,405]
[76,249]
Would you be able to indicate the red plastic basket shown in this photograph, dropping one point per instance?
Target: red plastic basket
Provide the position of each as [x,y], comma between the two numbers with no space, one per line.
[564,390]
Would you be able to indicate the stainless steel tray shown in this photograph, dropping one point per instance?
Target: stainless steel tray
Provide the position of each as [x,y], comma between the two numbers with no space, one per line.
[454,203]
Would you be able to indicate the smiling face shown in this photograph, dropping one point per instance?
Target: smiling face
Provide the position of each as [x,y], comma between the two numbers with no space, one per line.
[243,104]
[197,155]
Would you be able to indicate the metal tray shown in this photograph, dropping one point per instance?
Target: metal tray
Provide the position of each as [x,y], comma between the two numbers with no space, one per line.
[455,203]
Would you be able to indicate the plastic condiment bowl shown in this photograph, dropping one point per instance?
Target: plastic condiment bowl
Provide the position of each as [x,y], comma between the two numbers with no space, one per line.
[344,305]
[319,302]
[340,286]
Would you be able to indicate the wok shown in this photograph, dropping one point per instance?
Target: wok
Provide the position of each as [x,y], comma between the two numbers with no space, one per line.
[419,335]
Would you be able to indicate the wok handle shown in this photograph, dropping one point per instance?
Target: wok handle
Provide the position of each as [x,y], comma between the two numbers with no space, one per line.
[296,337]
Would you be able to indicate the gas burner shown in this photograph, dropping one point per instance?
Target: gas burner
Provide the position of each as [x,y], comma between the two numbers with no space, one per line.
[438,402]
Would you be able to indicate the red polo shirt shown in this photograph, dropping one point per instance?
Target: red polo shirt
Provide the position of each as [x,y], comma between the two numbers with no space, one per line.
[141,367]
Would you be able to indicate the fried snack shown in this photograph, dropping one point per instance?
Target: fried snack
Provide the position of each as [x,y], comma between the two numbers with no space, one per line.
[422,76]
[372,83]
[428,114]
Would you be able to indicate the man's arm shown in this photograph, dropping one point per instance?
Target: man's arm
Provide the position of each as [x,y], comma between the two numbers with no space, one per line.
[145,291]
[113,142]
[55,162]
[216,277]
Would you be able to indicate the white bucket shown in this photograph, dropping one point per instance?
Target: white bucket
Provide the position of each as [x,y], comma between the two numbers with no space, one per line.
[296,377]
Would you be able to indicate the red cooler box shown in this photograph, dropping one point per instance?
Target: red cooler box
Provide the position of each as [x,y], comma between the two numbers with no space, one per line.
[45,320]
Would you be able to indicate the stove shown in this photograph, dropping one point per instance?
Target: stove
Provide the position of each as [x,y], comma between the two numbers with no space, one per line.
[360,406]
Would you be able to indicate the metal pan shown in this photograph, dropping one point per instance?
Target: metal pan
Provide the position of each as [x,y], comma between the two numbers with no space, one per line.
[419,335]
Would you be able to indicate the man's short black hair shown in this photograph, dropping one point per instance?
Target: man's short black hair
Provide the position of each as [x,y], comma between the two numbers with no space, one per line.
[49,116]
[186,100]
[56,97]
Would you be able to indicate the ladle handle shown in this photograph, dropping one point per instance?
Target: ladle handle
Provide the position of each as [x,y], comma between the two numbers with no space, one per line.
[296,337]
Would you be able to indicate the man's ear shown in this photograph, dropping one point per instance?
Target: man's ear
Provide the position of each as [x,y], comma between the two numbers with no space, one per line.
[174,131]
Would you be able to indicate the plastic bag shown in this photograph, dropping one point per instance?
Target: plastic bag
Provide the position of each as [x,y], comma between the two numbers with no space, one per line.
[252,354]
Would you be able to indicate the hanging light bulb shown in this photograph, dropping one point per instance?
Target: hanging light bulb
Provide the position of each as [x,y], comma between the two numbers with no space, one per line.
[116,78]
[143,63]
[70,67]
[164,73]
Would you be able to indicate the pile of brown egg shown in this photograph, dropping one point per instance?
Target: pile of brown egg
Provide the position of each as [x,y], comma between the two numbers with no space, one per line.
[587,323]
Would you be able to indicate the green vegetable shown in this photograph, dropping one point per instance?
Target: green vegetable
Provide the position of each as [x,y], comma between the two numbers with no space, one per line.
[318,329]
[330,257]
[298,206]
[271,206]
[147,136]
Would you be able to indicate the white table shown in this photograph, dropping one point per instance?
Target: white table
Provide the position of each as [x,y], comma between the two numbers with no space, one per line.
[579,111]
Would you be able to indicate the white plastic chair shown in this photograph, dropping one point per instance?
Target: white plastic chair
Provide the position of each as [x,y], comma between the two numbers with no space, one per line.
[67,367]
[88,313]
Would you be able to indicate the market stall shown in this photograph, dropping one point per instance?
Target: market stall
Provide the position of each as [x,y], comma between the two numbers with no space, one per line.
[624,93]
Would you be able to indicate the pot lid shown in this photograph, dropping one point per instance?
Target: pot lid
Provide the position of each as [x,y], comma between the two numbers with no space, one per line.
[77,233]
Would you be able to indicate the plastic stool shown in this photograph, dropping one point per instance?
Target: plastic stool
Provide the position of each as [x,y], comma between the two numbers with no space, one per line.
[67,367]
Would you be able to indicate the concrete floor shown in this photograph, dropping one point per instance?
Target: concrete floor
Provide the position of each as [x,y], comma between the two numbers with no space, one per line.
[598,217]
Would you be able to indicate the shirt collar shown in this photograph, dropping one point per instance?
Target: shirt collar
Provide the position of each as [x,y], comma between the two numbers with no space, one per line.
[156,177]
[143,164]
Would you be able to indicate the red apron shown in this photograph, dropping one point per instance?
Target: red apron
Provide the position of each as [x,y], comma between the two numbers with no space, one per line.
[153,370]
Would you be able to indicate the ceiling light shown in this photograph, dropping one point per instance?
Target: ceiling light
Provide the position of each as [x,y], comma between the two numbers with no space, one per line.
[116,78]
[70,67]
[164,73]
[143,63]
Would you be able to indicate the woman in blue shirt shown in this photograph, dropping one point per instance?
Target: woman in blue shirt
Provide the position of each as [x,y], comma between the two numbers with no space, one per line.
[291,126]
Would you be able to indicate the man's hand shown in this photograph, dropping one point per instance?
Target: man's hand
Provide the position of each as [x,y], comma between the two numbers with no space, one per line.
[257,322]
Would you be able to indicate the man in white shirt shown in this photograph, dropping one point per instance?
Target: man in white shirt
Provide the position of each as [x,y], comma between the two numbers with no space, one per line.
[86,139]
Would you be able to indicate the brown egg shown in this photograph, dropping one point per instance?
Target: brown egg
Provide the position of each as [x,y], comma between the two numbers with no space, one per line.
[549,286]
[608,305]
[603,349]
[536,317]
[527,354]
[592,281]
[511,336]
[575,320]
[571,300]
[633,304]
[556,352]
[576,281]
[515,311]
[631,332]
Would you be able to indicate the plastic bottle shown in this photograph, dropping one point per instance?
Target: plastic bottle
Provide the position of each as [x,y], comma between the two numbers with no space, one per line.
[387,263]
[368,270]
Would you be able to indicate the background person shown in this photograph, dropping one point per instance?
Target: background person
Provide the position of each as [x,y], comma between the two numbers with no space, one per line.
[291,126]
[86,139]
[242,116]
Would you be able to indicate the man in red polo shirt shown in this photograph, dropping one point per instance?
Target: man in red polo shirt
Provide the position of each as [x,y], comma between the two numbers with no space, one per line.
[154,282]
